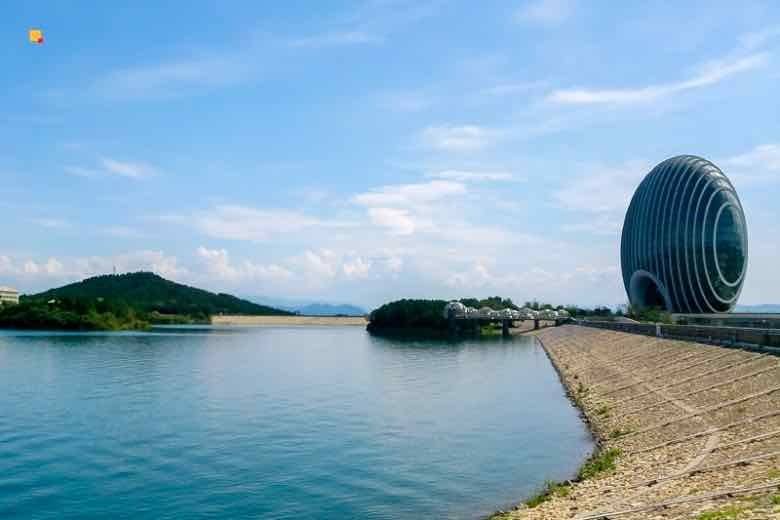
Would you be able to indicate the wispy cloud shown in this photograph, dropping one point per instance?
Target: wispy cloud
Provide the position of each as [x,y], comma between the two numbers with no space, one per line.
[709,74]
[337,38]
[472,176]
[512,88]
[547,12]
[405,209]
[235,222]
[168,77]
[602,189]
[757,39]
[52,223]
[761,164]
[107,167]
[463,138]
[217,263]
[410,195]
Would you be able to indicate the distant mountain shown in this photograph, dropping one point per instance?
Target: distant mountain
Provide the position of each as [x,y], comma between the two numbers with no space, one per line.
[767,308]
[328,309]
[148,292]
[309,307]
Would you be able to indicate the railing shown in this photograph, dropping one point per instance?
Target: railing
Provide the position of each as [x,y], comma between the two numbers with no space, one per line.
[764,340]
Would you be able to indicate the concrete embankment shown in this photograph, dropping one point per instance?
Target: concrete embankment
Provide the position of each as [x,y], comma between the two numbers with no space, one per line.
[697,428]
[286,321]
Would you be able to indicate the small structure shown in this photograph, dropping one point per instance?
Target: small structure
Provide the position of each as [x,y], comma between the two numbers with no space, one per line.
[486,313]
[456,309]
[9,296]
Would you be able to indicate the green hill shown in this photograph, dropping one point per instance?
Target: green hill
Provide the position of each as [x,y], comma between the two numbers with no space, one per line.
[149,293]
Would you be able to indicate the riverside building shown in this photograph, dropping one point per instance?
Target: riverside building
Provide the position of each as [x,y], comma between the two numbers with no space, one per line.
[8,295]
[684,247]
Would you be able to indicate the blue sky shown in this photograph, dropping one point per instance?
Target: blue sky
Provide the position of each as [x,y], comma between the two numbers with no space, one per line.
[366,151]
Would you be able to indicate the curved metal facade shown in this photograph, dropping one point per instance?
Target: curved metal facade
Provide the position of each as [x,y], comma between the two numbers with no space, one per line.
[684,244]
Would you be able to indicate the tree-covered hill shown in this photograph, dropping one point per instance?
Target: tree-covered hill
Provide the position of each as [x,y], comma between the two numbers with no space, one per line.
[147,292]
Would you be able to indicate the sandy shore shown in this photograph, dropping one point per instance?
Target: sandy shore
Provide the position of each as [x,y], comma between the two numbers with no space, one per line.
[697,428]
[276,321]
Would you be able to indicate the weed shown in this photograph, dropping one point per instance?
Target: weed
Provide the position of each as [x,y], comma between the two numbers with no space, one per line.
[616,434]
[728,513]
[599,463]
[550,490]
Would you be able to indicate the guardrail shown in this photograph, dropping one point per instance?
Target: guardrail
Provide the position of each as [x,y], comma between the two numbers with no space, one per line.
[760,340]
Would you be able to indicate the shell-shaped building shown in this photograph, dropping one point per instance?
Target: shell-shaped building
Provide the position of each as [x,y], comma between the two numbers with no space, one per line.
[684,246]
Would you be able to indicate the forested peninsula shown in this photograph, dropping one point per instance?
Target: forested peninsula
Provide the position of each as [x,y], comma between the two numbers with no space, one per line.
[124,302]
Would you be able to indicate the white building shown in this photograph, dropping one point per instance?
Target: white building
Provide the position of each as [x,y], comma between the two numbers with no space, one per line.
[8,295]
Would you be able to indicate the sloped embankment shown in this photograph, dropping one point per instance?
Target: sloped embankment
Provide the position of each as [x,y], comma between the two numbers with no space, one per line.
[697,428]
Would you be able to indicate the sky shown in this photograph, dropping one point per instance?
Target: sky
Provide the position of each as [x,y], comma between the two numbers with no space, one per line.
[367,151]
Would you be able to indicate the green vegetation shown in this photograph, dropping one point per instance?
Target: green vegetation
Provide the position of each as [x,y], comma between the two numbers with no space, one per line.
[70,314]
[494,302]
[599,463]
[426,317]
[616,434]
[413,316]
[127,301]
[727,513]
[651,315]
[550,490]
[149,292]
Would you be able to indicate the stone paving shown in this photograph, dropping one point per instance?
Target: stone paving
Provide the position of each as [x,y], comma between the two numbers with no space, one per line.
[697,426]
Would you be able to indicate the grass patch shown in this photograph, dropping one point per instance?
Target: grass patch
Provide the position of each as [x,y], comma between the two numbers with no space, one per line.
[603,410]
[776,500]
[774,473]
[728,513]
[616,434]
[598,464]
[550,490]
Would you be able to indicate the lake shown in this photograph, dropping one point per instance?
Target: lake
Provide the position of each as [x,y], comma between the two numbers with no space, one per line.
[277,423]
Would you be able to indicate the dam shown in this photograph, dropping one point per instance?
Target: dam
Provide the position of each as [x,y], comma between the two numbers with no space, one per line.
[697,427]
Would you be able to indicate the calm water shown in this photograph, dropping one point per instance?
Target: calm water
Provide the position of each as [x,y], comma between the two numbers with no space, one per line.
[276,423]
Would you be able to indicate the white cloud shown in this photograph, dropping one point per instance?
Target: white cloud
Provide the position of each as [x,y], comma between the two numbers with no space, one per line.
[761,164]
[603,189]
[407,101]
[337,38]
[122,232]
[756,39]
[410,194]
[52,223]
[464,138]
[357,268]
[609,225]
[133,170]
[244,223]
[108,167]
[508,89]
[471,176]
[217,263]
[319,267]
[34,272]
[547,12]
[171,77]
[709,74]
[396,221]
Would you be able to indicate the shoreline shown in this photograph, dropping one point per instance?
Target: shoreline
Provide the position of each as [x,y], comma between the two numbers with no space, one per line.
[671,414]
[288,321]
